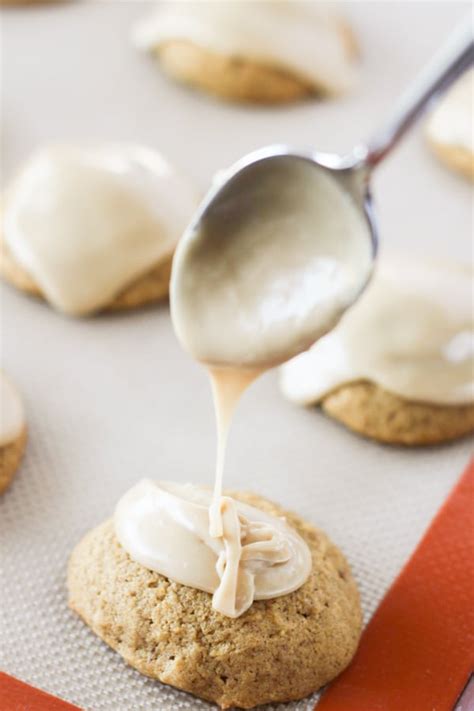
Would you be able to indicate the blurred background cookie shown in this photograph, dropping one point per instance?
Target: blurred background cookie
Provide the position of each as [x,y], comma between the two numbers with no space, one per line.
[89,229]
[280,649]
[270,51]
[399,366]
[12,431]
[450,128]
[14,3]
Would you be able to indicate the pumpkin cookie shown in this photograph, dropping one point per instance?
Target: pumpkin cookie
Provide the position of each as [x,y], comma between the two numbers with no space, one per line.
[12,432]
[280,649]
[450,128]
[398,367]
[280,52]
[374,412]
[14,3]
[94,229]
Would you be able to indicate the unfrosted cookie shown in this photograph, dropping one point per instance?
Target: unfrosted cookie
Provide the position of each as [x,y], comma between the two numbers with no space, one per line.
[450,128]
[374,412]
[94,228]
[12,431]
[399,366]
[279,650]
[279,52]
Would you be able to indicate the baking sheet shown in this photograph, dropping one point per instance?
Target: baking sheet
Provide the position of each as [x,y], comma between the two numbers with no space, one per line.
[113,399]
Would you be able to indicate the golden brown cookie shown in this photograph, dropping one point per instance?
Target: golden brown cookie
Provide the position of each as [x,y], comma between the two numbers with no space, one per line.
[238,78]
[458,159]
[279,650]
[13,3]
[149,288]
[10,458]
[374,412]
[230,77]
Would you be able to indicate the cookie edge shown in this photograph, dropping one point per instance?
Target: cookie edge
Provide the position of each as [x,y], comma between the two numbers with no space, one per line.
[11,455]
[404,422]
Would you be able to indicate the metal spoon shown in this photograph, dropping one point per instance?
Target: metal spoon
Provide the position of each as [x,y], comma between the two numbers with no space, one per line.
[352,172]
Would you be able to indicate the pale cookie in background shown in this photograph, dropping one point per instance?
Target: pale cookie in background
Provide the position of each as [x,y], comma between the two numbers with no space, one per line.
[14,3]
[94,228]
[280,649]
[450,128]
[12,431]
[28,3]
[399,366]
[274,51]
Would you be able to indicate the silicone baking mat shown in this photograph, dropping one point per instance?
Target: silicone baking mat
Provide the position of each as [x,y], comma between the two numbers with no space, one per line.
[113,399]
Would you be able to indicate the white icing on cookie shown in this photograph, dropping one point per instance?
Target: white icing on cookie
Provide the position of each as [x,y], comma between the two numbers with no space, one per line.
[411,332]
[302,37]
[86,222]
[165,527]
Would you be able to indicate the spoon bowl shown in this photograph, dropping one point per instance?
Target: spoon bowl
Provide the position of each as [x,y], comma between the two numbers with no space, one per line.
[278,250]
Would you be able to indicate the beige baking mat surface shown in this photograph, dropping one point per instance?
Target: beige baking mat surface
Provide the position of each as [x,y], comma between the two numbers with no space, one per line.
[110,400]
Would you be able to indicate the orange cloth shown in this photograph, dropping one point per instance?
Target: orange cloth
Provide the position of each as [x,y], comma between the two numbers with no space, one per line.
[417,652]
[15,695]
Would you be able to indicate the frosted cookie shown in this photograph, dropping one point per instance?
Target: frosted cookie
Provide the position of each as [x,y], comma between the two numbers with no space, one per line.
[278,650]
[399,366]
[450,128]
[12,432]
[91,229]
[279,51]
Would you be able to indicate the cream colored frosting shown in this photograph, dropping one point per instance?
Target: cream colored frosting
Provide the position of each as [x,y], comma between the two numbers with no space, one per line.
[165,527]
[411,332]
[12,418]
[271,269]
[302,37]
[85,222]
[452,121]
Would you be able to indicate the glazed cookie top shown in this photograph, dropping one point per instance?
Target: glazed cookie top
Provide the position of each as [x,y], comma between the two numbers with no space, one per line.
[165,527]
[86,221]
[452,121]
[12,418]
[411,332]
[302,37]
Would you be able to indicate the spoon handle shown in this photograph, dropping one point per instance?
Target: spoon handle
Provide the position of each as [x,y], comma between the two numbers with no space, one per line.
[447,64]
